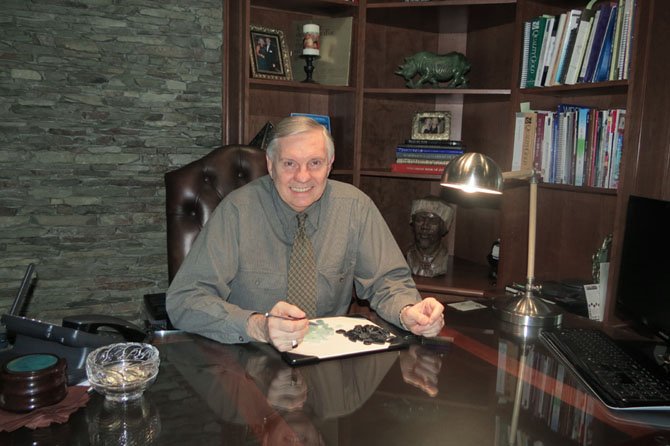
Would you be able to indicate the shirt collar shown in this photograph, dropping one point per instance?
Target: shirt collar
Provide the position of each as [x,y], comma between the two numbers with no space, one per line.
[287,216]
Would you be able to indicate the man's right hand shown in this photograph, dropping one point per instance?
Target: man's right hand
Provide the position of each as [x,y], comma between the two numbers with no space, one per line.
[284,327]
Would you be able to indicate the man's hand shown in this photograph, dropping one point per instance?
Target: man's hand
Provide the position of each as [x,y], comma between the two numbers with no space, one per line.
[287,390]
[420,368]
[285,326]
[425,318]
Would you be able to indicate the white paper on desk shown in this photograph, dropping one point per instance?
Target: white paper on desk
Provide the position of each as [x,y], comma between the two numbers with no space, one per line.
[323,341]
[467,305]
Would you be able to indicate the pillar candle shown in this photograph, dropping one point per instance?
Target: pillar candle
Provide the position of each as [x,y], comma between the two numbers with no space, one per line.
[310,39]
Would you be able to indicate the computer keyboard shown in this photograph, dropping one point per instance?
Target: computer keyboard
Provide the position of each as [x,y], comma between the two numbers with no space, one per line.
[618,379]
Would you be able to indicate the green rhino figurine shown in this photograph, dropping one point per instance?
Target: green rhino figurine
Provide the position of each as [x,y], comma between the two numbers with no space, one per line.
[433,68]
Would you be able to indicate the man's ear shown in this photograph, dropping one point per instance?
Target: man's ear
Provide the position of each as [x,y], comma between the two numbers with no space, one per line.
[270,165]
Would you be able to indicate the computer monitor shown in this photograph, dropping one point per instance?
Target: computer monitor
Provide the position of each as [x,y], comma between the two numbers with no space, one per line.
[643,291]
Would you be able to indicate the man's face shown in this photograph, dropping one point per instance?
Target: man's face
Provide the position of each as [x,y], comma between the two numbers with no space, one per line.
[300,169]
[428,228]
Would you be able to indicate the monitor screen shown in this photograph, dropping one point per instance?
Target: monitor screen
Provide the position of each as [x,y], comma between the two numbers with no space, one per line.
[643,292]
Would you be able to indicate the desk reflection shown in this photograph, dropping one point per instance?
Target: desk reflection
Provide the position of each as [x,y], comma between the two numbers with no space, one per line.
[257,395]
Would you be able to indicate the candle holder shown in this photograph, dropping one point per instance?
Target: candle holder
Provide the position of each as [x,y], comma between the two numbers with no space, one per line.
[309,67]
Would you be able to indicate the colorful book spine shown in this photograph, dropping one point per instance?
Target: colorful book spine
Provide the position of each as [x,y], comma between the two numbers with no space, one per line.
[437,149]
[426,169]
[434,142]
[434,162]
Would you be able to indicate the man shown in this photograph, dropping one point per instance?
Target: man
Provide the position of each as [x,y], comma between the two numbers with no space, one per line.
[232,286]
[430,218]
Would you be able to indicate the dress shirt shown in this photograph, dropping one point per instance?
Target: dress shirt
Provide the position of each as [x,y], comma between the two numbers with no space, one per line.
[238,265]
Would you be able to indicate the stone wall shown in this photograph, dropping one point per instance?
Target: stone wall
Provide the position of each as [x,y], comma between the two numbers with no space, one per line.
[98,98]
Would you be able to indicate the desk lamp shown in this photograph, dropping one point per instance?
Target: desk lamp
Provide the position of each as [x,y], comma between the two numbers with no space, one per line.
[474,172]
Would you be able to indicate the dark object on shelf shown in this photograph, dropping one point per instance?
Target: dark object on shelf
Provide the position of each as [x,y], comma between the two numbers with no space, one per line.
[493,257]
[309,68]
[262,138]
[434,68]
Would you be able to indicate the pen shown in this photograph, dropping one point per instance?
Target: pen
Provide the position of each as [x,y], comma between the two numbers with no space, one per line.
[288,318]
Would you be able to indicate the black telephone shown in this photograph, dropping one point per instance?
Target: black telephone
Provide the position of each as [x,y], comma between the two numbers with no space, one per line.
[77,336]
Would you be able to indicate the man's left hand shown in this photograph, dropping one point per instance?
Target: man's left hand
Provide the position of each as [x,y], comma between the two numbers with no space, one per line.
[425,318]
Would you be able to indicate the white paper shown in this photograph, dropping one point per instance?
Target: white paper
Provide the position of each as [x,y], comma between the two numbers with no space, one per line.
[466,305]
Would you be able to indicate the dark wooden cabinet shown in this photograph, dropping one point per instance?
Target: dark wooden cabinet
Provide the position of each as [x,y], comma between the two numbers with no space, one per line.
[374,112]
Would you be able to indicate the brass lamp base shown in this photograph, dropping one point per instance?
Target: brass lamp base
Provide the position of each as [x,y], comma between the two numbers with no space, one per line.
[527,310]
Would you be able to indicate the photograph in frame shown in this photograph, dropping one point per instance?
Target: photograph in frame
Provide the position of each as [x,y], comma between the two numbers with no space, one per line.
[269,54]
[431,125]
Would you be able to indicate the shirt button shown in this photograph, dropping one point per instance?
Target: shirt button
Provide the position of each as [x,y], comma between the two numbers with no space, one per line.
[241,339]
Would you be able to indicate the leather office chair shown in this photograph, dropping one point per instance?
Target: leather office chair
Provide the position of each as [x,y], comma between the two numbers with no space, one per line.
[194,190]
[191,194]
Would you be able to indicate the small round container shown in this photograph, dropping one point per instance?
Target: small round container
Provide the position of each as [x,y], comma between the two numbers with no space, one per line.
[122,372]
[32,381]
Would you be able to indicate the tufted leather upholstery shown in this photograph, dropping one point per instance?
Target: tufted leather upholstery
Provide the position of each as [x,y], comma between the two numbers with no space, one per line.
[194,190]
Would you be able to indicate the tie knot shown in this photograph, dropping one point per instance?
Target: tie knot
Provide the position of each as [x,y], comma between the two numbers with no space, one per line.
[301,220]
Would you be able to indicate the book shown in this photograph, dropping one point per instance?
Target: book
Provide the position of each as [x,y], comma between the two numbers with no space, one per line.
[528,141]
[602,68]
[332,66]
[599,30]
[617,150]
[436,149]
[417,168]
[537,28]
[428,156]
[580,146]
[616,40]
[581,40]
[626,36]
[589,46]
[551,49]
[547,50]
[429,161]
[524,54]
[519,121]
[434,142]
[565,49]
[553,62]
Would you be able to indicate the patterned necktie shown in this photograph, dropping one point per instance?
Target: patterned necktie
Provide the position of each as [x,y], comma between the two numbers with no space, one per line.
[302,272]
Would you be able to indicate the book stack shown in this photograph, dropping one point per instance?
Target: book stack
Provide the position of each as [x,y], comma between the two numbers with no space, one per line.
[426,156]
[580,45]
[573,145]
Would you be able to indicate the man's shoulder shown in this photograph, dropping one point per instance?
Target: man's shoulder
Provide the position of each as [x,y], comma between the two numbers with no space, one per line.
[256,191]
[340,190]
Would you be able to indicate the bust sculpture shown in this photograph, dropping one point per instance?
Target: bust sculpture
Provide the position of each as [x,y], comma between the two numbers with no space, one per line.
[430,218]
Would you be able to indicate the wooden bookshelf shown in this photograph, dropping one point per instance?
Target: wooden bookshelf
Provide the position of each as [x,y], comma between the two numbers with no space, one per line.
[373,114]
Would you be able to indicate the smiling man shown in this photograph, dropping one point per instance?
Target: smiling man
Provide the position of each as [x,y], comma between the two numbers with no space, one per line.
[235,278]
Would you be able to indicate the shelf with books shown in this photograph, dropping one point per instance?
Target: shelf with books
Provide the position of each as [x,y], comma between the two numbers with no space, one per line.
[583,44]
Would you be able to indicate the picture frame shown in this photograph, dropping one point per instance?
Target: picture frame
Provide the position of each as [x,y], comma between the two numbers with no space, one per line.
[431,125]
[272,60]
[324,120]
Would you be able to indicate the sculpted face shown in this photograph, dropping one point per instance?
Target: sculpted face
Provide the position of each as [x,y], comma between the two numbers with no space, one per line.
[428,229]
[301,169]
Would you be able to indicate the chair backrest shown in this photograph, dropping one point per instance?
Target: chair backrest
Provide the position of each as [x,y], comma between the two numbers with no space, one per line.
[194,190]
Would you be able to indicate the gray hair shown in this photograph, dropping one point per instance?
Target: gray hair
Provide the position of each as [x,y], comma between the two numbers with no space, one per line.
[294,125]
